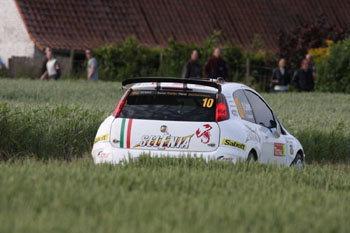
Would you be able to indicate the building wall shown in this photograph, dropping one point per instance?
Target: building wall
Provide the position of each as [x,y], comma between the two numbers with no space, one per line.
[14,39]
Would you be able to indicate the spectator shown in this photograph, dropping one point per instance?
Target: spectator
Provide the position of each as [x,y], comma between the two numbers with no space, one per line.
[92,68]
[302,78]
[2,65]
[280,77]
[192,68]
[215,66]
[312,66]
[51,68]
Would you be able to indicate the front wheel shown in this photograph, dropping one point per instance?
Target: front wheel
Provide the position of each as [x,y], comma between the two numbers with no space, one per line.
[299,160]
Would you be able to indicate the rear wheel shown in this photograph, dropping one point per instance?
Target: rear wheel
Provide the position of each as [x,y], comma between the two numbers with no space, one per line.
[252,157]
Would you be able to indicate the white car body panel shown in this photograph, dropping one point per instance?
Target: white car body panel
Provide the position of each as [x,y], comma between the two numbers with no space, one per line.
[231,139]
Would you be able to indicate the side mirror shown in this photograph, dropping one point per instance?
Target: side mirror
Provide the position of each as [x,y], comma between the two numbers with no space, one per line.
[275,130]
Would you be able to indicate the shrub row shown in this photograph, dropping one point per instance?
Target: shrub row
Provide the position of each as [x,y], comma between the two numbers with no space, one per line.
[59,132]
[333,72]
[66,133]
[122,61]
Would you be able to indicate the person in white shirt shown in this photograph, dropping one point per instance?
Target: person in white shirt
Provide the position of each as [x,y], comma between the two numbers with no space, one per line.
[280,77]
[51,69]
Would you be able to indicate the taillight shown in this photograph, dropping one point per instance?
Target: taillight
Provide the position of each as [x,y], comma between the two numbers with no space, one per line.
[221,108]
[121,103]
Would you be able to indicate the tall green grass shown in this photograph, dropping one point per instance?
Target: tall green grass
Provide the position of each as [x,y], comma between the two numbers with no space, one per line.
[321,121]
[47,132]
[171,195]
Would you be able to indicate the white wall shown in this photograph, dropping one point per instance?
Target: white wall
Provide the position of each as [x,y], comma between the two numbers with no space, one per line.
[14,39]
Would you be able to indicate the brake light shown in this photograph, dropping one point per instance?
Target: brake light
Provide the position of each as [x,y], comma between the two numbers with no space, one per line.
[221,108]
[121,103]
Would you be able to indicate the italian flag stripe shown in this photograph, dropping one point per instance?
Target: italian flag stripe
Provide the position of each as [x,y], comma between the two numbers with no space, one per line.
[122,133]
[129,133]
[126,137]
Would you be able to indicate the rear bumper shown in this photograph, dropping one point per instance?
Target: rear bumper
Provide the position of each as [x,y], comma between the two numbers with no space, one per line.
[105,153]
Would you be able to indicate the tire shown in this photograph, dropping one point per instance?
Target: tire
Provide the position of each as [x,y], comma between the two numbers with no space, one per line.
[251,157]
[299,160]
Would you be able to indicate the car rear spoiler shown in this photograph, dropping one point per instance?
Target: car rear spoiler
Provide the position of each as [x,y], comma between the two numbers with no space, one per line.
[172,80]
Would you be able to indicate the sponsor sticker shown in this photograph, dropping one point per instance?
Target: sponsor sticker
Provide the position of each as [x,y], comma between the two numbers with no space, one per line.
[232,143]
[101,138]
[240,109]
[279,149]
[164,141]
[291,149]
[102,154]
[204,133]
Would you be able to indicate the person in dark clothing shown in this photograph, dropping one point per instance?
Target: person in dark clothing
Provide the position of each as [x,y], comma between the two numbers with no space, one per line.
[50,68]
[312,66]
[215,67]
[303,79]
[280,77]
[192,68]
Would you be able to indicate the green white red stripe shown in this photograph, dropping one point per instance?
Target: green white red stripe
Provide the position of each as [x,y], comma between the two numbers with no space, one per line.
[125,133]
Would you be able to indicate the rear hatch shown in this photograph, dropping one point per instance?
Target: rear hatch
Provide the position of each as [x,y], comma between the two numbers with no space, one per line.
[166,120]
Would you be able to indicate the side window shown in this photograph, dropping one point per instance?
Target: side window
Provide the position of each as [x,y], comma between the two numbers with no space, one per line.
[263,114]
[243,106]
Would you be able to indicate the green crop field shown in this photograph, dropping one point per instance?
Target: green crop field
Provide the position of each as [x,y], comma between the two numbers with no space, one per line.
[48,182]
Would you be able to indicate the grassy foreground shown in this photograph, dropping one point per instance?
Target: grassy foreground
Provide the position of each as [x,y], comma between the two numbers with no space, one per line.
[169,195]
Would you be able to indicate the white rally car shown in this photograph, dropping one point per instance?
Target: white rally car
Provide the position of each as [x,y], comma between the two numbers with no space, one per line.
[183,117]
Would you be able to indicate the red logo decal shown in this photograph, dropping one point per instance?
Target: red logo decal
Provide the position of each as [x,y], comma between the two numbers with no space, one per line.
[204,133]
[279,149]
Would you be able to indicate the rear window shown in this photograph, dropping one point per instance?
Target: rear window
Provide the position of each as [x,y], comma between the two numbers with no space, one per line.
[170,106]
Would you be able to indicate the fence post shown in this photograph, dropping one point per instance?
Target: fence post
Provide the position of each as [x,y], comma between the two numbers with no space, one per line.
[71,63]
[247,74]
[160,68]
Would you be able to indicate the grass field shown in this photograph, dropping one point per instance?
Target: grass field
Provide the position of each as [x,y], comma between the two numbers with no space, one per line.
[167,195]
[50,120]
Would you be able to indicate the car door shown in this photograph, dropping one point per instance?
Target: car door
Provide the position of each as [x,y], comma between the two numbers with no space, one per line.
[273,144]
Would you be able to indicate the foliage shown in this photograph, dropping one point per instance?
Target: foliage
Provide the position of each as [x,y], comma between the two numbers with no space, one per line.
[294,44]
[4,73]
[321,121]
[59,132]
[172,195]
[319,54]
[333,72]
[121,61]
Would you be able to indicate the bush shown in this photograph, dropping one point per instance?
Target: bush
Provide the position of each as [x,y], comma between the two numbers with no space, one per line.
[333,72]
[122,61]
[59,132]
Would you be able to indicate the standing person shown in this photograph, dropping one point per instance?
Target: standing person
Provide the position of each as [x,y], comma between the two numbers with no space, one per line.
[92,68]
[192,68]
[2,65]
[215,66]
[303,79]
[312,66]
[280,77]
[51,68]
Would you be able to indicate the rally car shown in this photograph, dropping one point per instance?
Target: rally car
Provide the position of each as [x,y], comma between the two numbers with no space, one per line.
[210,119]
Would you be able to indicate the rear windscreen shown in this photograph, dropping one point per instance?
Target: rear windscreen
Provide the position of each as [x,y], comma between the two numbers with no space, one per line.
[170,106]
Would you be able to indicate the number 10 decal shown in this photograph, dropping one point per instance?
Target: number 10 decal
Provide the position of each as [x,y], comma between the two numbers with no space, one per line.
[208,102]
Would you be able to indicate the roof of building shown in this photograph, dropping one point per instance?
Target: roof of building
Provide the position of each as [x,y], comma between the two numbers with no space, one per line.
[63,24]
